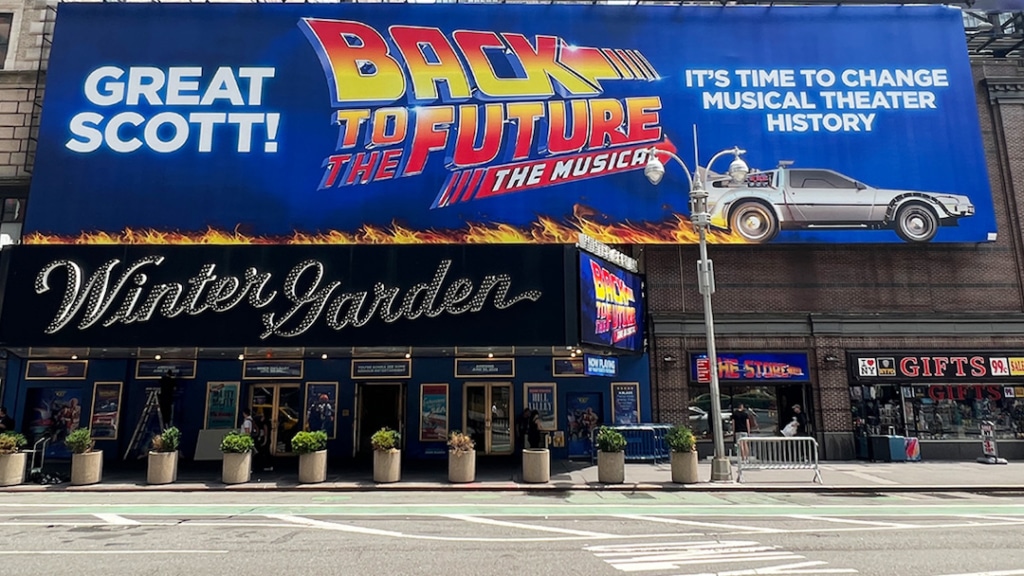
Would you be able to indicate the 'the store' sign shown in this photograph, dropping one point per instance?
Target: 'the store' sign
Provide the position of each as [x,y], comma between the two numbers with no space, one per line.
[946,366]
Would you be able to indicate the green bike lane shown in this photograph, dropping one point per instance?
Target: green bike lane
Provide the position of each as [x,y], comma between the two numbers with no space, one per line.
[512,504]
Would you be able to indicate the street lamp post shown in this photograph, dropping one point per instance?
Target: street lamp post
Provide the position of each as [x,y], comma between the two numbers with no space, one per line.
[721,470]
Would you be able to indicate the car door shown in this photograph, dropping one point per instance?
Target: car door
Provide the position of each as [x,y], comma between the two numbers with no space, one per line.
[826,197]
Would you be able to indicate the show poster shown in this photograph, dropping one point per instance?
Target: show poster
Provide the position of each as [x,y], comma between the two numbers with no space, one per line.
[434,413]
[322,407]
[106,409]
[221,405]
[611,305]
[584,414]
[377,123]
[53,413]
[541,397]
[626,404]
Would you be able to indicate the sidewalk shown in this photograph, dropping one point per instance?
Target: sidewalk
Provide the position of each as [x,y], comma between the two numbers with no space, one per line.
[568,476]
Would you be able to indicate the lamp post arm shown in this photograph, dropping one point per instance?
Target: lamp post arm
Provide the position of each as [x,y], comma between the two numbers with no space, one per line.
[735,151]
[689,176]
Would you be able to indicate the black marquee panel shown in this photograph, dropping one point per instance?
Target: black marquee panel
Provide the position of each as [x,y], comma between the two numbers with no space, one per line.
[210,296]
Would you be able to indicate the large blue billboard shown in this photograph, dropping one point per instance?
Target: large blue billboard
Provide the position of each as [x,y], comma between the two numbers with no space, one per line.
[611,305]
[369,123]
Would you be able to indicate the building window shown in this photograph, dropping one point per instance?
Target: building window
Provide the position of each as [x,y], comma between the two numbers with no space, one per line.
[12,210]
[940,412]
[5,35]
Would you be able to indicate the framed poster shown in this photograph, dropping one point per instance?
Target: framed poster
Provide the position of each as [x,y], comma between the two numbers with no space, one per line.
[567,367]
[56,370]
[272,369]
[221,405]
[542,398]
[625,403]
[154,369]
[106,407]
[322,407]
[369,369]
[434,413]
[583,415]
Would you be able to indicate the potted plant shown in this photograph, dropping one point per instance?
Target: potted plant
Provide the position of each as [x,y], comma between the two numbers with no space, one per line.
[162,467]
[461,458]
[12,459]
[387,457]
[683,446]
[86,463]
[611,456]
[237,448]
[312,450]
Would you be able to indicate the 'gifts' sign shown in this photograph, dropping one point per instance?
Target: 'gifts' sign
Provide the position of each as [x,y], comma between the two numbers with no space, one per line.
[935,366]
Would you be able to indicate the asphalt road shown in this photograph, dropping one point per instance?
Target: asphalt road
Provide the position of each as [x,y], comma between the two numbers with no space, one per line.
[592,533]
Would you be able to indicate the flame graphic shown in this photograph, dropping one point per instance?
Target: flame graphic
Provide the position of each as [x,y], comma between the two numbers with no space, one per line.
[546,230]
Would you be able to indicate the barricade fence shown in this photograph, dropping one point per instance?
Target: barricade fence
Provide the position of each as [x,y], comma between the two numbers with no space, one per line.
[777,453]
[644,442]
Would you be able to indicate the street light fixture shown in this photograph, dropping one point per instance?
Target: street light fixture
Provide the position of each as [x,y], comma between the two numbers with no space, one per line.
[721,470]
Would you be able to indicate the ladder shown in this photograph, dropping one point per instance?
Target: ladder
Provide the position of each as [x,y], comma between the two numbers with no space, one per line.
[152,407]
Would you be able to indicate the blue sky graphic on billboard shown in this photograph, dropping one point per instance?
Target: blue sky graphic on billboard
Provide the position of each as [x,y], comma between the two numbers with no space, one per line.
[611,305]
[355,123]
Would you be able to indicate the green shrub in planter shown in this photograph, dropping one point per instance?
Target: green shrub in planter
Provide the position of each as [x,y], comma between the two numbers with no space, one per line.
[79,441]
[237,443]
[11,442]
[610,440]
[309,442]
[681,439]
[385,440]
[167,441]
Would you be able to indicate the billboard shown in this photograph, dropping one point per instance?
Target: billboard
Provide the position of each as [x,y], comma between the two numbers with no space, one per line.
[355,123]
[611,305]
[752,367]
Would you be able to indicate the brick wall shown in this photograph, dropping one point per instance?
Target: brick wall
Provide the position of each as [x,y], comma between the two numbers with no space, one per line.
[32,20]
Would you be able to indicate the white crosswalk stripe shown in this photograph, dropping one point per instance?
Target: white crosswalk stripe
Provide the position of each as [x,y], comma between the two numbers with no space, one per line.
[679,555]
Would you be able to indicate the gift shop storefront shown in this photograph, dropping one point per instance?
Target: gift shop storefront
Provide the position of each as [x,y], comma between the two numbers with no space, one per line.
[942,398]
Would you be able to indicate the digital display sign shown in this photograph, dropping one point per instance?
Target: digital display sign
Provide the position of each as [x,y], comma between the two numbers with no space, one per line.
[611,305]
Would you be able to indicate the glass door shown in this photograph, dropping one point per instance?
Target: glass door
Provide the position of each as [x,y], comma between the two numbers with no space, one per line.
[488,417]
[281,406]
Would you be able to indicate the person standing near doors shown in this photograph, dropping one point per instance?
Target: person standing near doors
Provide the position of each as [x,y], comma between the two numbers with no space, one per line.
[743,423]
[168,387]
[523,430]
[801,420]
[533,434]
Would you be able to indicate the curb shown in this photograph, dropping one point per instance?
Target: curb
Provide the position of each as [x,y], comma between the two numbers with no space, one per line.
[511,487]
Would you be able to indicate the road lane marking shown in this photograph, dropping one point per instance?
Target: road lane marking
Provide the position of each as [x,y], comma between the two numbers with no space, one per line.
[117,519]
[506,524]
[666,520]
[798,568]
[853,521]
[675,555]
[995,518]
[996,573]
[333,525]
[98,552]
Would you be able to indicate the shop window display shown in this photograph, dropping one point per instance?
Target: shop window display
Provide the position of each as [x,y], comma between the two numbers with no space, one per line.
[762,403]
[939,412]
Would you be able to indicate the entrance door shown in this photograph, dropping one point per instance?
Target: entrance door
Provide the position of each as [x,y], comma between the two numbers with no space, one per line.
[789,396]
[380,405]
[488,417]
[281,406]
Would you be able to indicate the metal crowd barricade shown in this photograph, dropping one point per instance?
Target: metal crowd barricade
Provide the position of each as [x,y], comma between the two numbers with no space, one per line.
[644,442]
[778,453]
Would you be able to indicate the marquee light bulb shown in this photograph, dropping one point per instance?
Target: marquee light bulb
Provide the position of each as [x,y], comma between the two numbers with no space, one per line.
[323,356]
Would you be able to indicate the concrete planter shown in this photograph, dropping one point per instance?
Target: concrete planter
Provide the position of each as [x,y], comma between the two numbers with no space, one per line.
[12,469]
[536,465]
[461,467]
[684,467]
[86,468]
[162,467]
[237,467]
[313,467]
[611,467]
[387,465]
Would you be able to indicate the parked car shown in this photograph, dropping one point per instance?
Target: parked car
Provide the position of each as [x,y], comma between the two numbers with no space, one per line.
[815,198]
